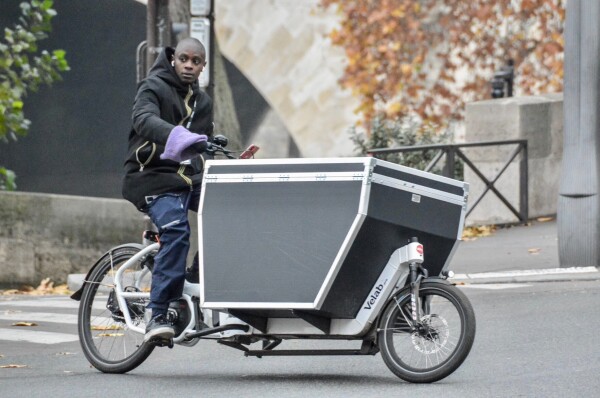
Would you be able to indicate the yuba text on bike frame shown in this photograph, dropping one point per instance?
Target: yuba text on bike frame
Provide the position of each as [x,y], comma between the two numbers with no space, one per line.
[337,250]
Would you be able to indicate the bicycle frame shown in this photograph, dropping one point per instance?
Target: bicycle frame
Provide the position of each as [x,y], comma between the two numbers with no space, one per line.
[119,288]
[393,278]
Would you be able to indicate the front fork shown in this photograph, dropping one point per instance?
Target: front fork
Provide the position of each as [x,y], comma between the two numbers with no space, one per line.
[417,274]
[415,258]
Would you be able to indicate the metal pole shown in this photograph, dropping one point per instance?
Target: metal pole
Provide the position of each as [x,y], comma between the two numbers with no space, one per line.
[151,14]
[578,220]
[524,184]
[163,25]
[211,54]
[450,162]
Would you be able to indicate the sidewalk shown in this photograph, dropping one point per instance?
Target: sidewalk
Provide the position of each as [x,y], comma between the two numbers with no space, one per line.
[510,255]
[515,254]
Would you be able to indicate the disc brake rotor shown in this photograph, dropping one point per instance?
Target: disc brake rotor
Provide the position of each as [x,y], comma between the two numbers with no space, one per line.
[432,335]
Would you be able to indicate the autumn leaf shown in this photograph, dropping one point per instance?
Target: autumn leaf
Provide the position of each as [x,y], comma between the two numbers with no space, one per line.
[46,287]
[24,324]
[544,219]
[111,335]
[472,233]
[12,366]
[109,327]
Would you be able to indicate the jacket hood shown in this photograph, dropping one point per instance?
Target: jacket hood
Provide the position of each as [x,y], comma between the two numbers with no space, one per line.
[162,68]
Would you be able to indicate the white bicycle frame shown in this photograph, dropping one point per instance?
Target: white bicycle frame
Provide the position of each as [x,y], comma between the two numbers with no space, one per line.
[392,278]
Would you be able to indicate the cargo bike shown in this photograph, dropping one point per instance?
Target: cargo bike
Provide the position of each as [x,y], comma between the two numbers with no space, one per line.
[328,249]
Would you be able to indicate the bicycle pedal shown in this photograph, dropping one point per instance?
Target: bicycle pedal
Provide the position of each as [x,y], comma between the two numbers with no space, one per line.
[161,342]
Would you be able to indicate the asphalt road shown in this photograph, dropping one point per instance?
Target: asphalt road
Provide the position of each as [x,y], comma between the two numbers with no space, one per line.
[536,340]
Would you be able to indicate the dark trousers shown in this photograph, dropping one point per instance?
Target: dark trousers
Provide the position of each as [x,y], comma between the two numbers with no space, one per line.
[169,212]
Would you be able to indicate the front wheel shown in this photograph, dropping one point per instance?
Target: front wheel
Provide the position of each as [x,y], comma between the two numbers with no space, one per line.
[108,344]
[437,344]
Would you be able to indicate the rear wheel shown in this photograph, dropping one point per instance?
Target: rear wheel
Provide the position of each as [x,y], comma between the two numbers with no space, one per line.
[438,344]
[107,342]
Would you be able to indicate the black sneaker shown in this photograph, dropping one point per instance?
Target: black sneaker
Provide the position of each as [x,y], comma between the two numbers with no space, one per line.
[159,328]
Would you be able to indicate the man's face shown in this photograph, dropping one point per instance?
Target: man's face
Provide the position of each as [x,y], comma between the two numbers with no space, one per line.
[189,62]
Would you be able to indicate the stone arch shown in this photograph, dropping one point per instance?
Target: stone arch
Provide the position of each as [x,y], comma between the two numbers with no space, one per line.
[282,47]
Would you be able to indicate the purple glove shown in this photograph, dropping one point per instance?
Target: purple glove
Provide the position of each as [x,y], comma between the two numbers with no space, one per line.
[179,144]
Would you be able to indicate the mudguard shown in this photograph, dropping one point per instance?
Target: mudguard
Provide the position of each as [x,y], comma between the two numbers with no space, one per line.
[77,295]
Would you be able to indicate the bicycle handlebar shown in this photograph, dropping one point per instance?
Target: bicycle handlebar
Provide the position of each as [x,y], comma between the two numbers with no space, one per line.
[213,149]
[219,142]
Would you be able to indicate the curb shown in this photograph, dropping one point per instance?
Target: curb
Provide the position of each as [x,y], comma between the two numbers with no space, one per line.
[75,281]
[532,275]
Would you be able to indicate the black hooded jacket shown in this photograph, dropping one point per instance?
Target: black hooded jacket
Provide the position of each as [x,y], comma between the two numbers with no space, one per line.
[159,106]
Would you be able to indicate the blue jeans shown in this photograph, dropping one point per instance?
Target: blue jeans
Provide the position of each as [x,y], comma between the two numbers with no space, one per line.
[169,212]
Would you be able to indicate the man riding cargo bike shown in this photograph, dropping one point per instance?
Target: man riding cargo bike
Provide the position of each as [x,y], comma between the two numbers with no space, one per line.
[303,249]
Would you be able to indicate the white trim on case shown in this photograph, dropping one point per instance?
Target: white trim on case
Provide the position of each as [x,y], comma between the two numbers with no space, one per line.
[418,189]
[338,261]
[286,161]
[283,177]
[420,173]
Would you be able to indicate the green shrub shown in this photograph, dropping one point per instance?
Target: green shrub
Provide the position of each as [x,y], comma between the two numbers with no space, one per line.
[408,131]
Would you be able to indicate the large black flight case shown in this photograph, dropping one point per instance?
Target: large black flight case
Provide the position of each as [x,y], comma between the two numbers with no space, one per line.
[283,237]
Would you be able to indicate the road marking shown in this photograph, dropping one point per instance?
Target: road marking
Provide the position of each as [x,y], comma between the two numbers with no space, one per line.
[38,337]
[49,303]
[38,317]
[64,303]
[19,310]
[527,272]
[495,286]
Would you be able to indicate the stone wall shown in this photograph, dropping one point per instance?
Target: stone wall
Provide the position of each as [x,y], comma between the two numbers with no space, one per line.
[43,235]
[539,119]
[282,47]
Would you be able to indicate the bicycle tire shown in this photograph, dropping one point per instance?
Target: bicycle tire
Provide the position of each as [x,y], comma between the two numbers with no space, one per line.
[443,343]
[108,344]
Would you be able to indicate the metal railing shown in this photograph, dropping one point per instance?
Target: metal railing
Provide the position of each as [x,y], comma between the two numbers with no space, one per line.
[453,151]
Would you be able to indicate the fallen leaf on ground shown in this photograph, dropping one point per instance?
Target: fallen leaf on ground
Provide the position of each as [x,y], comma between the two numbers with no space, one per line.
[9,292]
[45,287]
[111,335]
[545,219]
[111,327]
[472,233]
[12,366]
[24,324]
[534,250]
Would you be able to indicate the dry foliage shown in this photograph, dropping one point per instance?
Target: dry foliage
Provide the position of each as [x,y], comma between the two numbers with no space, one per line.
[545,219]
[430,57]
[472,233]
[46,287]
[24,324]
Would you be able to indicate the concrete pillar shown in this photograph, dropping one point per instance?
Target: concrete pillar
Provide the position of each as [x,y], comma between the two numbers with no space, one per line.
[578,223]
[538,119]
